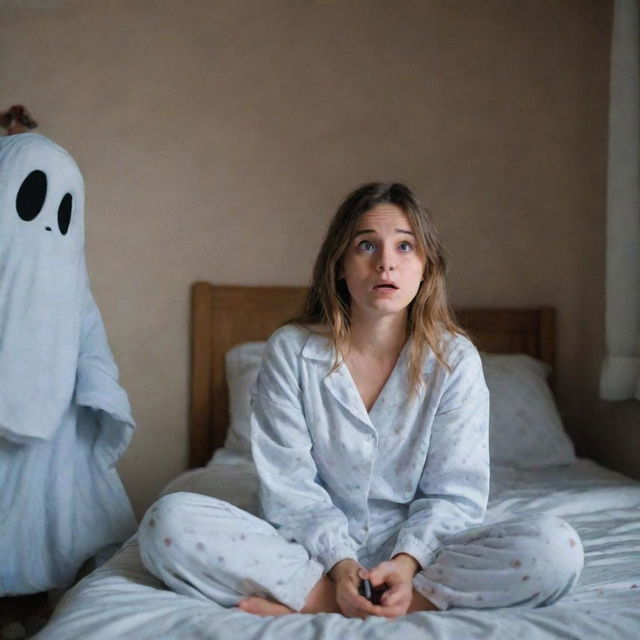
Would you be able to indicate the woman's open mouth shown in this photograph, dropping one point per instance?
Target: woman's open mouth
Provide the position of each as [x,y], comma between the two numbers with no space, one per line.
[385,287]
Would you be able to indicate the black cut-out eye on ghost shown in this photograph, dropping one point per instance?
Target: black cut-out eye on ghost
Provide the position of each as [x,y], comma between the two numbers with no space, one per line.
[64,213]
[31,195]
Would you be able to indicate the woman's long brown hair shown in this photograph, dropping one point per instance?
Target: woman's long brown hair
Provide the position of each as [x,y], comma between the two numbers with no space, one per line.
[328,301]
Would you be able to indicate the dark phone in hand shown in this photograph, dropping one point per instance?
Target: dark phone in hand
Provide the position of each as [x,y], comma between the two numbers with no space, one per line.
[371,593]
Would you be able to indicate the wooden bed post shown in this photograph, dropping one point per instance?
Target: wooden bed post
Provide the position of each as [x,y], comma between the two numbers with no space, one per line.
[201,348]
[548,341]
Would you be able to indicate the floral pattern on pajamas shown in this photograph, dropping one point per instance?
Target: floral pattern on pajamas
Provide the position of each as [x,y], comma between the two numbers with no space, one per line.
[343,481]
[209,549]
[529,561]
[337,481]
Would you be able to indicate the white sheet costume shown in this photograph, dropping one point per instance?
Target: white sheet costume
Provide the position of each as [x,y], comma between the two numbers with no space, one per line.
[337,481]
[64,420]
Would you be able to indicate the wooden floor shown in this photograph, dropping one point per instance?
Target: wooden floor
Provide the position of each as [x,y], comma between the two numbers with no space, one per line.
[23,616]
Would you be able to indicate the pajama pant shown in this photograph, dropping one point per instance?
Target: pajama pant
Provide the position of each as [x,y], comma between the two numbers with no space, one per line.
[207,548]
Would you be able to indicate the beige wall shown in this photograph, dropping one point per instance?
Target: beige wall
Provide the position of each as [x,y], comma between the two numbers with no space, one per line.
[217,137]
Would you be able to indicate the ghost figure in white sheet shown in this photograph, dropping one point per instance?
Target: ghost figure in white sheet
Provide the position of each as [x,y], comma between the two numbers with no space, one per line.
[64,419]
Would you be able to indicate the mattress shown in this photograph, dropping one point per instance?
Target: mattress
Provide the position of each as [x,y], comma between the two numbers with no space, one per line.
[122,600]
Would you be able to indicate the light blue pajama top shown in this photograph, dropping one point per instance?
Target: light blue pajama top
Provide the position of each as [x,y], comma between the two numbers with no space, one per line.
[346,483]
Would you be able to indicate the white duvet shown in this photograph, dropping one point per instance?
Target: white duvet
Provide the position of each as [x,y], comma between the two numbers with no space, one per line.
[121,600]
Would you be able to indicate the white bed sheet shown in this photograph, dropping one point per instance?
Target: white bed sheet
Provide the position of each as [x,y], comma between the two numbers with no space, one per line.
[122,600]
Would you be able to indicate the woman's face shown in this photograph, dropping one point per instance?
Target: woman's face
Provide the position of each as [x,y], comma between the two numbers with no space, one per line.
[383,266]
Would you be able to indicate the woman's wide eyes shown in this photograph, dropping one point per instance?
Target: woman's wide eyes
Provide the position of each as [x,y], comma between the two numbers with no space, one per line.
[368,247]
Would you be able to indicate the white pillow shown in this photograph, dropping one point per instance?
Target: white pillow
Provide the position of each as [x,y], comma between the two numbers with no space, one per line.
[525,428]
[242,364]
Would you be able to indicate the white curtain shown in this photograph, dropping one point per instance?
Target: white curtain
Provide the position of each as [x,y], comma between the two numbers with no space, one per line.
[620,375]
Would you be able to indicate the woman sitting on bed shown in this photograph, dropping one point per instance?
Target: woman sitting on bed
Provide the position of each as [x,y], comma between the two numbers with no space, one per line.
[370,437]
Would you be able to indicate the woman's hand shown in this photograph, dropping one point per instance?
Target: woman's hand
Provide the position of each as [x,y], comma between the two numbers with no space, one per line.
[347,575]
[397,574]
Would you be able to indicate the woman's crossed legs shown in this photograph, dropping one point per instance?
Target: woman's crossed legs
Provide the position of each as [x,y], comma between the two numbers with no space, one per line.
[209,549]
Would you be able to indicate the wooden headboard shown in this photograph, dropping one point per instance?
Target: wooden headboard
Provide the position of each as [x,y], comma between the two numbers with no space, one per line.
[224,316]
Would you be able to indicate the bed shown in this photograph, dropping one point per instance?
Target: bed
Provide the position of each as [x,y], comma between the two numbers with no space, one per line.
[229,324]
